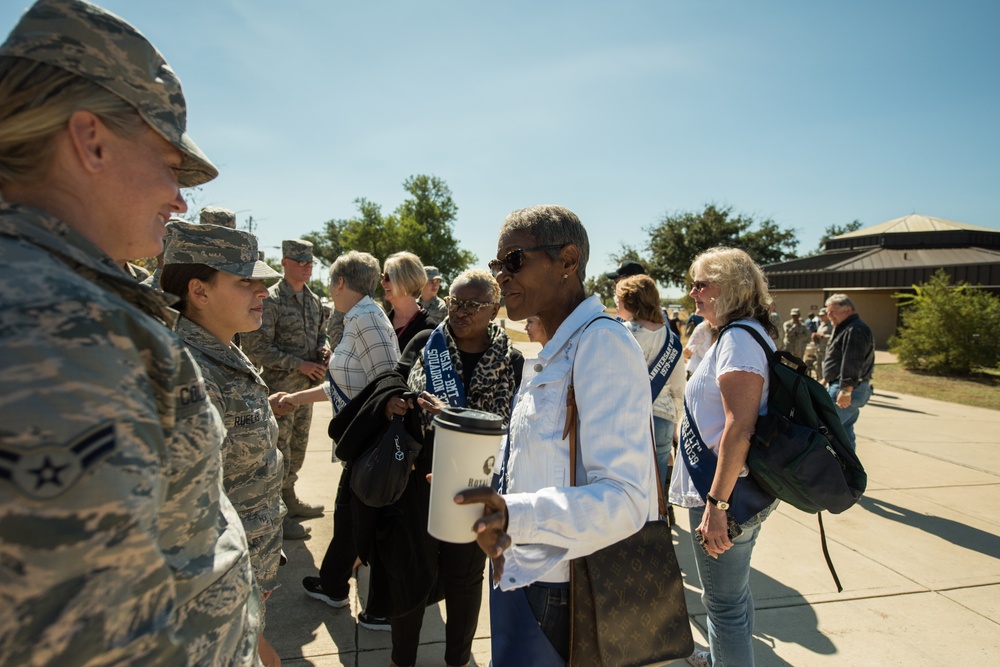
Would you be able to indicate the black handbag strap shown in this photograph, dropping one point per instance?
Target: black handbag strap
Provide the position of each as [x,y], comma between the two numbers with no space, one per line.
[571,429]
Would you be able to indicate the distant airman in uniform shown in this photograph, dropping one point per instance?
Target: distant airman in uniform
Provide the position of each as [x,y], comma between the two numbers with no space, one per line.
[796,334]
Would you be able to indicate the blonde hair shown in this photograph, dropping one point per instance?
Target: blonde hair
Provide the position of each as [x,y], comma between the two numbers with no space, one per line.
[36,102]
[406,272]
[640,297]
[742,285]
[477,278]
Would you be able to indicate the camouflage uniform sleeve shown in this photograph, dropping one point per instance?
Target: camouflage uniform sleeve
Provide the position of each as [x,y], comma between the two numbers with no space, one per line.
[82,483]
[260,345]
[335,328]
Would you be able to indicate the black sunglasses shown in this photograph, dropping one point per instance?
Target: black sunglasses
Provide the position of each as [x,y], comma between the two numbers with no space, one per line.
[514,260]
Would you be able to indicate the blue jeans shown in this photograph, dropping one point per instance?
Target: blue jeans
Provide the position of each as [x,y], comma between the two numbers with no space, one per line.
[663,435]
[849,415]
[725,585]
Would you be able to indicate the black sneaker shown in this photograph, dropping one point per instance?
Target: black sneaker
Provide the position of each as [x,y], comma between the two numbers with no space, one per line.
[314,589]
[376,623]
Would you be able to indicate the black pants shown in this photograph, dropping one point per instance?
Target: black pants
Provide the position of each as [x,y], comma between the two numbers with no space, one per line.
[338,563]
[460,578]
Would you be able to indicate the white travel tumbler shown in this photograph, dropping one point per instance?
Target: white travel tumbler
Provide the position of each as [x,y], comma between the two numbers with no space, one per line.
[466,443]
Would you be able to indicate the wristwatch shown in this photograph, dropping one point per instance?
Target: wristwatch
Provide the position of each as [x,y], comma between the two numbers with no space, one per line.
[721,504]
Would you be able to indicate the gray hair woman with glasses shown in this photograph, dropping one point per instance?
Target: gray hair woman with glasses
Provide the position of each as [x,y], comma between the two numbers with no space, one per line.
[537,523]
[488,371]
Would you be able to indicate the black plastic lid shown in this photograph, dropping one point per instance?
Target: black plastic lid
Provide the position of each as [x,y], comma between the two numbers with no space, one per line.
[470,421]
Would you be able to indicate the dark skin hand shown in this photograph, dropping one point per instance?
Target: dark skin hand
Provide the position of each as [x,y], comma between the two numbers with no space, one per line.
[491,535]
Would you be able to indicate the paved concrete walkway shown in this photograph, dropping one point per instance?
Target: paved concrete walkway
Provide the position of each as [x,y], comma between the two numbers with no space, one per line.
[919,559]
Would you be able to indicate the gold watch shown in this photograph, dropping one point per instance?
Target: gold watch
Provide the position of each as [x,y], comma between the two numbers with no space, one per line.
[721,504]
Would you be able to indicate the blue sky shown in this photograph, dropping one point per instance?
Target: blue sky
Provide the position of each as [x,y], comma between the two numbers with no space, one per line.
[809,113]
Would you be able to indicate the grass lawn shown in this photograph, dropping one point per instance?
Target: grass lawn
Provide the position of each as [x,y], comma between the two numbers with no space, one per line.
[981,390]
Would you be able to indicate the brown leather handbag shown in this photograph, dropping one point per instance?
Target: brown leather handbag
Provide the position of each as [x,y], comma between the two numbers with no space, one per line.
[627,599]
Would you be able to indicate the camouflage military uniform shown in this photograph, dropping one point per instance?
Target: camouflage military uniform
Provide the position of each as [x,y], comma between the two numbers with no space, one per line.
[796,337]
[117,542]
[436,308]
[334,327]
[252,464]
[292,332]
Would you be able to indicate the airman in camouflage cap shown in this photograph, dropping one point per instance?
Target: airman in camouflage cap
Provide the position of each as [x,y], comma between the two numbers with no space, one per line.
[297,249]
[215,215]
[231,250]
[100,47]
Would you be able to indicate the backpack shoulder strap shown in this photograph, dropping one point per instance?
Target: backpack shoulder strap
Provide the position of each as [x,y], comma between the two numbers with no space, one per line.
[756,336]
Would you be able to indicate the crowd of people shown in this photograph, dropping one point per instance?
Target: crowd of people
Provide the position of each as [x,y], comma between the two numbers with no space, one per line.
[155,425]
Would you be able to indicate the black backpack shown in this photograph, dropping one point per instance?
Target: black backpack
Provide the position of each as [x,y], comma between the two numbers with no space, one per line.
[800,452]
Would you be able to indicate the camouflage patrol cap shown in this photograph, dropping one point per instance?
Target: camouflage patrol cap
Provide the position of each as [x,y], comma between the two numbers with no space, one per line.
[299,250]
[231,250]
[98,46]
[214,215]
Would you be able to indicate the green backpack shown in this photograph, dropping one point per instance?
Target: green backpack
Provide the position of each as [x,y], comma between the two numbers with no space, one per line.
[800,452]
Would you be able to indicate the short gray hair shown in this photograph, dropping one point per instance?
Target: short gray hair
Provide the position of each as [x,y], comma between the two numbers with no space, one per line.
[359,270]
[480,279]
[551,225]
[840,300]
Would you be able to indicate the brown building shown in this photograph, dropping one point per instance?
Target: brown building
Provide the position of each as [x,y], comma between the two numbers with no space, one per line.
[870,265]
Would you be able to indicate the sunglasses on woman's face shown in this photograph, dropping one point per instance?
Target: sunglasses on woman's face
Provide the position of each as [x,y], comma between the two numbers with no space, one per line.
[470,306]
[514,260]
[385,278]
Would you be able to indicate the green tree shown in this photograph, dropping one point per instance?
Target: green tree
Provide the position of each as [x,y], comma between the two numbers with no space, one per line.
[603,286]
[836,230]
[422,224]
[680,237]
[947,329]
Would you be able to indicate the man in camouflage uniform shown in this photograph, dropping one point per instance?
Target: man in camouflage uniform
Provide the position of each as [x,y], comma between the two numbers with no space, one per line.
[429,299]
[292,349]
[821,338]
[796,334]
[117,542]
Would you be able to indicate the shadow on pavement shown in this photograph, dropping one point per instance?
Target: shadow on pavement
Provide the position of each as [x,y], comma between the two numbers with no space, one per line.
[957,533]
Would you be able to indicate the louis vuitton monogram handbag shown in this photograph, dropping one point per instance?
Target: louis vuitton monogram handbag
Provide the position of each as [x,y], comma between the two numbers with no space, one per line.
[627,599]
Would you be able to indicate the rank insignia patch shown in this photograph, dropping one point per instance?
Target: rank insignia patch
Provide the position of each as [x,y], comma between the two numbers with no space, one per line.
[47,472]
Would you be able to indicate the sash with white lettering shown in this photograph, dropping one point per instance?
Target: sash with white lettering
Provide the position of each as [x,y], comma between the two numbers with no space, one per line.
[748,498]
[664,363]
[442,380]
[337,395]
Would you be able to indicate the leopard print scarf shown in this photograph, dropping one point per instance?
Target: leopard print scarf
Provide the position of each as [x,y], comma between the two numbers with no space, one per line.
[493,385]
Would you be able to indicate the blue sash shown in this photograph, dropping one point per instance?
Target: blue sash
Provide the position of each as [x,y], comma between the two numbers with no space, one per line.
[664,363]
[442,380]
[748,498]
[338,397]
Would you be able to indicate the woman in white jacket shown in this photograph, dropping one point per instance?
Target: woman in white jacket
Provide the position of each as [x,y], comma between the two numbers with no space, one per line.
[536,524]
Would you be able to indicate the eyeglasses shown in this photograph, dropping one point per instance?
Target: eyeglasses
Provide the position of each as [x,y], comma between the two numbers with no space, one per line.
[699,285]
[470,306]
[303,263]
[385,278]
[514,260]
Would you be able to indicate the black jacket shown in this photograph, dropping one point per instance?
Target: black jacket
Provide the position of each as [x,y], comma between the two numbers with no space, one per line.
[392,540]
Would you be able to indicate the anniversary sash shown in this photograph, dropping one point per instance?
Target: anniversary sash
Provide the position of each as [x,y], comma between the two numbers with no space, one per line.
[748,498]
[664,363]
[442,380]
[337,395]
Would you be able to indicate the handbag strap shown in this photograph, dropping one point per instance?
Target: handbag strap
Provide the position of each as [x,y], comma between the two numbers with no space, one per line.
[572,430]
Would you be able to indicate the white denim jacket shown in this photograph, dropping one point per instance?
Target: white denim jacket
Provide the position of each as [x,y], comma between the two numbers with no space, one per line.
[552,523]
